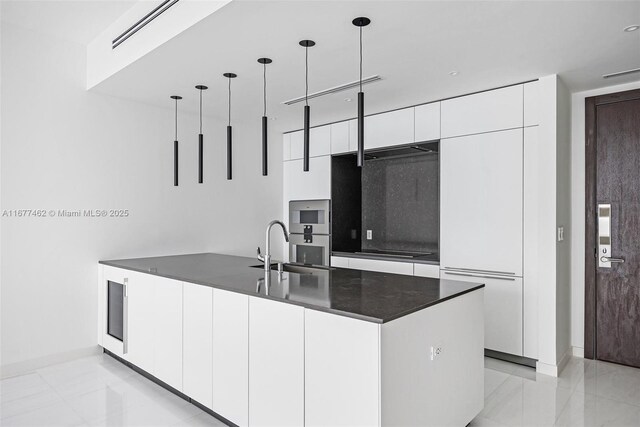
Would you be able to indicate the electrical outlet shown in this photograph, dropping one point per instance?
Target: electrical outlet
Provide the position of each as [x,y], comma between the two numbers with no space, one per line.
[560,234]
[369,234]
[436,352]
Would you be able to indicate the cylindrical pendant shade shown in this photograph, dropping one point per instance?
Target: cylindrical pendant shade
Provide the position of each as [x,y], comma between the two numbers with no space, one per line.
[175,163]
[229,152]
[264,146]
[200,160]
[307,113]
[360,129]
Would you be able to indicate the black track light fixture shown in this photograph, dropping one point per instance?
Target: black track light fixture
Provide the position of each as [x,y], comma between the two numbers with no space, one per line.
[175,142]
[200,138]
[307,111]
[229,76]
[264,62]
[361,22]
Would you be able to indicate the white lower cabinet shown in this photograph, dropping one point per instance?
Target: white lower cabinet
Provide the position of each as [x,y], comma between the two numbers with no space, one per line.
[381,266]
[502,310]
[167,321]
[141,332]
[427,270]
[341,365]
[276,363]
[231,356]
[198,343]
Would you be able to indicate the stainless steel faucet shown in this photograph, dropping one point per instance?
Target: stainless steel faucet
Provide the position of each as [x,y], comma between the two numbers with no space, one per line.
[267,256]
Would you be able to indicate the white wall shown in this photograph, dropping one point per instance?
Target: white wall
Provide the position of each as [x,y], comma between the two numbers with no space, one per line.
[65,148]
[578,208]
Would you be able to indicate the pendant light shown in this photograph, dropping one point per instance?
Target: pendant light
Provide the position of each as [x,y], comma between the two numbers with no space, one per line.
[264,62]
[307,111]
[361,22]
[200,138]
[229,131]
[175,143]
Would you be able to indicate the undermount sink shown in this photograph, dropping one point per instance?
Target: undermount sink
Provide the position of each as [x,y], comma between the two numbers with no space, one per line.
[294,268]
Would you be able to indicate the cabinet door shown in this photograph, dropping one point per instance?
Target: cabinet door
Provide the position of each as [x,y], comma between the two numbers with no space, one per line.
[502,310]
[483,112]
[481,202]
[319,142]
[341,371]
[389,129]
[167,321]
[313,184]
[339,137]
[426,270]
[231,356]
[427,122]
[381,266]
[141,325]
[198,343]
[276,363]
[286,147]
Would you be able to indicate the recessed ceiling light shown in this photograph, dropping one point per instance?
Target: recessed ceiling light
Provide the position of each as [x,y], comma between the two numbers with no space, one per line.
[347,100]
[273,118]
[631,28]
[453,73]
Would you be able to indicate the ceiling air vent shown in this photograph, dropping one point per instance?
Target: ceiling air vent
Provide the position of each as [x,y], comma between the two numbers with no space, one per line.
[334,89]
[159,10]
[621,73]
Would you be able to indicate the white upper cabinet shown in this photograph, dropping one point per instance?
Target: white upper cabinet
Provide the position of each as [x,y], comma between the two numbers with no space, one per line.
[198,343]
[319,142]
[483,112]
[481,202]
[276,363]
[531,103]
[427,127]
[313,184]
[385,129]
[340,137]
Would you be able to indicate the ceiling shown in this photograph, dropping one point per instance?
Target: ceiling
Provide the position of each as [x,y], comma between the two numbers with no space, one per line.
[79,21]
[413,45]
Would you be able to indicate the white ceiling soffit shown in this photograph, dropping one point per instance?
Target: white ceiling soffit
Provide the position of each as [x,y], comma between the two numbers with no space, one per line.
[414,45]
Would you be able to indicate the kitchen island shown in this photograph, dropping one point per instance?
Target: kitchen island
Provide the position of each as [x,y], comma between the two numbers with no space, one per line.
[317,347]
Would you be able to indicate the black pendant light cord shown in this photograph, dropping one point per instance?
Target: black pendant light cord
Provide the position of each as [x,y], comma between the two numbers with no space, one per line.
[306,75]
[360,59]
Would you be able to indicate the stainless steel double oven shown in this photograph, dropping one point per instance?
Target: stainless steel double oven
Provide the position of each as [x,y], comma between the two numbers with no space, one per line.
[310,228]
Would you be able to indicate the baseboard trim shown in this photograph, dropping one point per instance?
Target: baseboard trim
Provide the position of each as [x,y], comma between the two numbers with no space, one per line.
[27,366]
[555,370]
[577,351]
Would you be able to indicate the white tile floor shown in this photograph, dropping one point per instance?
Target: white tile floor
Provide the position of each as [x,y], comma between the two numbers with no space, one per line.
[98,390]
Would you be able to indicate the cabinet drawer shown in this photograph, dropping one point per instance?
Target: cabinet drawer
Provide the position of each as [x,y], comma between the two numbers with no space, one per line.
[426,270]
[502,310]
[381,266]
[483,112]
[337,261]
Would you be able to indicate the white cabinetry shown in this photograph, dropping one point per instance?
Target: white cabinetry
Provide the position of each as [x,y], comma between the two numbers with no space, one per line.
[141,327]
[483,112]
[341,384]
[531,103]
[426,270]
[481,202]
[167,321]
[533,159]
[286,147]
[386,129]
[319,142]
[340,137]
[198,343]
[502,310]
[231,356]
[427,126]
[276,363]
[313,184]
[381,266]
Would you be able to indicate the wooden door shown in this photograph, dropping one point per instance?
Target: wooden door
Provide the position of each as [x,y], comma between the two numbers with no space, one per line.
[612,324]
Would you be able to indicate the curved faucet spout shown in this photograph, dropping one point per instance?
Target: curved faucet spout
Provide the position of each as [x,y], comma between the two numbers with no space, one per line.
[267,255]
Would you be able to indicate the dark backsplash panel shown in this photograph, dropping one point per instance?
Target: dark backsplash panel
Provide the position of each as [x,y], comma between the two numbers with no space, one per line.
[400,203]
[346,204]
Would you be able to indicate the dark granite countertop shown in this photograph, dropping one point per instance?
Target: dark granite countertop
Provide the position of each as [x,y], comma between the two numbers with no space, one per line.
[366,295]
[426,259]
